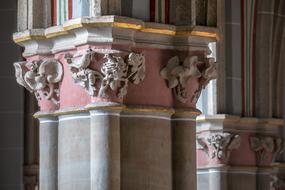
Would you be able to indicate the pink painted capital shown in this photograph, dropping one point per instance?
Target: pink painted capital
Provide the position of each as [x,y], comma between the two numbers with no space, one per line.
[129,76]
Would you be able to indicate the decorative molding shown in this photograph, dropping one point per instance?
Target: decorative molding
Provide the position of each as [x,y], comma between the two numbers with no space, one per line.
[109,30]
[121,22]
[218,145]
[40,77]
[178,74]
[277,183]
[115,73]
[266,144]
[237,124]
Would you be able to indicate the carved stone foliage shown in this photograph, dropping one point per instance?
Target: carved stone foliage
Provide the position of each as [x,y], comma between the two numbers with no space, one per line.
[40,77]
[218,145]
[277,183]
[115,73]
[178,73]
[264,144]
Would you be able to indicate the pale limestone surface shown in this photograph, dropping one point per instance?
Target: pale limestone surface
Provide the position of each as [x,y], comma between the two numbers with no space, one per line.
[74,152]
[105,151]
[48,153]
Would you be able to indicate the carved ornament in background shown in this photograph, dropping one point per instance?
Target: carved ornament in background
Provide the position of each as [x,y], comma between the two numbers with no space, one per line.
[218,145]
[178,74]
[264,144]
[115,73]
[277,183]
[41,78]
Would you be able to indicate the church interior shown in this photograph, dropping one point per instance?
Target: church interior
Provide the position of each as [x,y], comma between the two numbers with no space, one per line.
[142,95]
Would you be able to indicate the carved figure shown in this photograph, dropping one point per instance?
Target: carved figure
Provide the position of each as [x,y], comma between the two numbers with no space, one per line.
[115,72]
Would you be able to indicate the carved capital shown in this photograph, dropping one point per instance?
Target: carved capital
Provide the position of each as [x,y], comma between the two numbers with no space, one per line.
[218,145]
[178,73]
[266,144]
[277,183]
[40,77]
[115,71]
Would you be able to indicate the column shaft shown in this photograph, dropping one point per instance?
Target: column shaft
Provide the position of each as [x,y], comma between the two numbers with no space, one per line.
[105,150]
[74,152]
[184,153]
[48,153]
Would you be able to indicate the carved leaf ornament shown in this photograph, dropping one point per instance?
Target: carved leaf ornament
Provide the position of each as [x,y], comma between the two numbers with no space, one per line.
[218,145]
[115,73]
[40,77]
[178,74]
[262,145]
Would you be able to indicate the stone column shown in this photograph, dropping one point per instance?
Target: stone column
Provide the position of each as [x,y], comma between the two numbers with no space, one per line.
[184,149]
[48,152]
[111,7]
[105,147]
[114,83]
[74,151]
[182,12]
[146,148]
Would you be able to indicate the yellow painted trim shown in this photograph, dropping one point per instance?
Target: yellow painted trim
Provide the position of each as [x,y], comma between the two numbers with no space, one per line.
[40,114]
[159,31]
[102,24]
[149,110]
[127,25]
[56,34]
[197,33]
[106,108]
[29,37]
[138,109]
[73,26]
[187,113]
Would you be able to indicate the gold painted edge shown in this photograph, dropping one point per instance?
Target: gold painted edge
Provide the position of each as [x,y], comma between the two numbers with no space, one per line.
[180,113]
[56,34]
[197,33]
[29,37]
[159,31]
[129,109]
[168,111]
[43,114]
[127,25]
